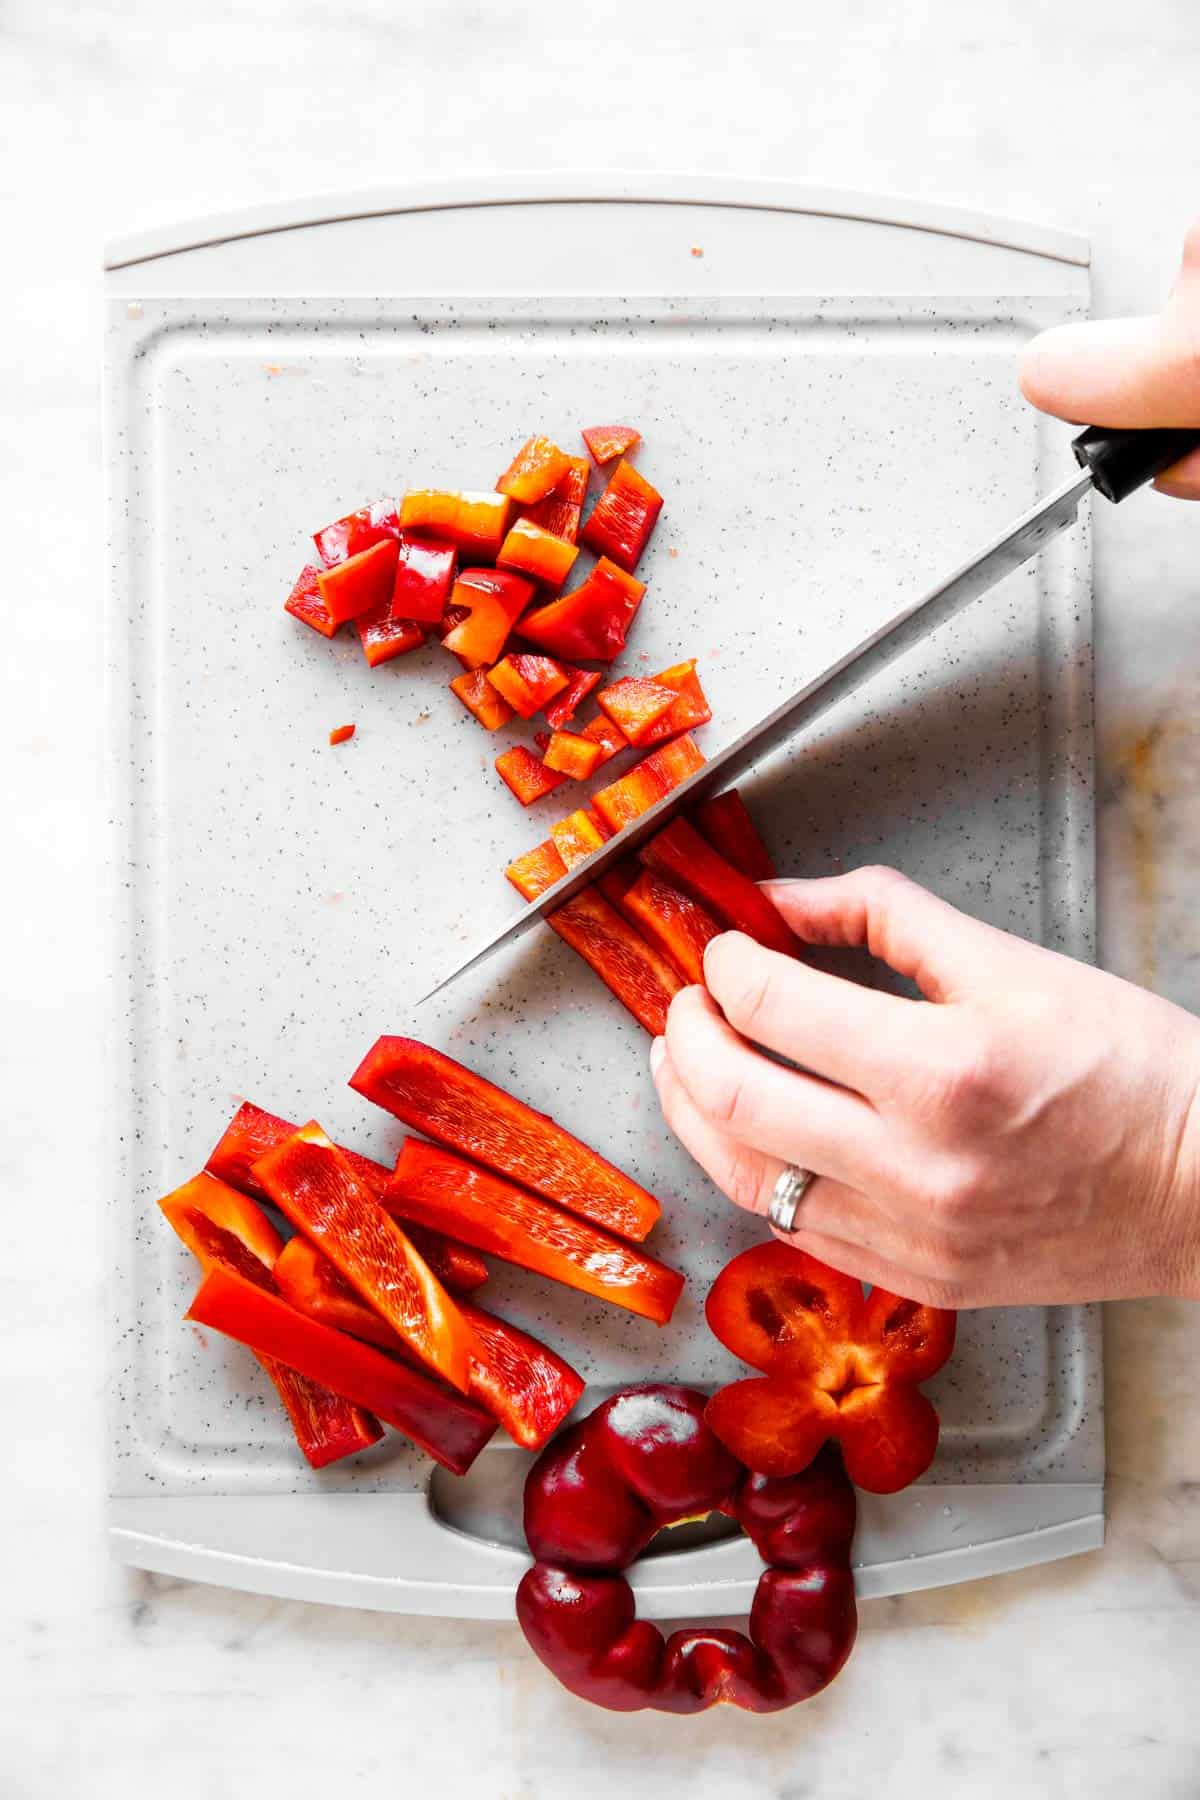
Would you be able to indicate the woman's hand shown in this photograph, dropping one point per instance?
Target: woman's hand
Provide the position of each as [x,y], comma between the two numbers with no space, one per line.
[1030,1133]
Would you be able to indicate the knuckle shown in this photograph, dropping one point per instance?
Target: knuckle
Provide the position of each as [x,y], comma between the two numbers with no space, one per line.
[970,1074]
[744,1184]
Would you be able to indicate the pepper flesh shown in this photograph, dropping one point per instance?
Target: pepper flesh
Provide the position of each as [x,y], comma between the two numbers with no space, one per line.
[536,552]
[564,706]
[361,583]
[479,697]
[576,837]
[305,603]
[436,1187]
[384,637]
[356,532]
[637,704]
[642,980]
[725,824]
[341,734]
[493,599]
[681,855]
[672,922]
[610,737]
[534,471]
[607,442]
[527,682]
[526,776]
[570,753]
[623,517]
[537,870]
[646,783]
[430,1092]
[561,511]
[424,578]
[592,621]
[476,522]
[690,709]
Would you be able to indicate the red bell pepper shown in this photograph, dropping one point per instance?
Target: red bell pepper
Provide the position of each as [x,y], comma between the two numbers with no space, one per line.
[316,1187]
[526,777]
[252,1132]
[562,509]
[672,922]
[424,578]
[836,1365]
[681,855]
[577,837]
[341,734]
[479,697]
[569,753]
[691,708]
[305,603]
[637,705]
[476,522]
[607,442]
[527,682]
[537,870]
[441,1422]
[647,783]
[225,1230]
[494,600]
[384,637]
[434,1187]
[623,517]
[564,706]
[590,622]
[642,980]
[724,823]
[535,552]
[534,471]
[358,531]
[432,1093]
[610,737]
[361,583]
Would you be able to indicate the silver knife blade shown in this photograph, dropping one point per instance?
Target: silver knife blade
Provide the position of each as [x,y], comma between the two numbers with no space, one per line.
[906,628]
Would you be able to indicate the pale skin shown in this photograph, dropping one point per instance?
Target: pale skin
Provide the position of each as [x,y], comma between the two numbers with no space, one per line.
[1029,1131]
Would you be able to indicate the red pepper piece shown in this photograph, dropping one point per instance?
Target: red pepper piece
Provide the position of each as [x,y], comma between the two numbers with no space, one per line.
[623,517]
[225,1230]
[476,522]
[534,471]
[610,737]
[535,552]
[434,1187]
[252,1132]
[305,603]
[691,708]
[569,753]
[681,855]
[564,706]
[432,1093]
[576,837]
[537,870]
[642,980]
[383,637]
[424,578]
[637,704]
[348,537]
[617,880]
[561,512]
[317,1188]
[479,697]
[646,783]
[341,734]
[672,922]
[836,1366]
[312,1284]
[527,777]
[593,620]
[607,442]
[360,584]
[441,1422]
[494,600]
[527,682]
[725,824]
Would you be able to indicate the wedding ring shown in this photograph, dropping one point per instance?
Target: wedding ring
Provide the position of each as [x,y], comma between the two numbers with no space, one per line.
[787,1195]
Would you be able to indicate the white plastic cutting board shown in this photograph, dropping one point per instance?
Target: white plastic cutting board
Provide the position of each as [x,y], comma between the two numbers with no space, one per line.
[825,387]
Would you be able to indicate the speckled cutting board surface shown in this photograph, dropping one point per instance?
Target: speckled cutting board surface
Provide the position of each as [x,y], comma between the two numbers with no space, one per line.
[281,903]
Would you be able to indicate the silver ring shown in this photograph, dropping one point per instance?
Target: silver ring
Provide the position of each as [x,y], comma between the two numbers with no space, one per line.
[787,1196]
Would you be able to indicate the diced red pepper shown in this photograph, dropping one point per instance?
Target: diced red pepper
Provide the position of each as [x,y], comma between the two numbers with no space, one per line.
[424,577]
[476,522]
[647,782]
[724,823]
[681,855]
[435,1187]
[481,698]
[636,704]
[494,600]
[441,1422]
[570,754]
[533,551]
[534,471]
[527,682]
[607,442]
[383,637]
[672,921]
[642,980]
[537,870]
[305,603]
[347,537]
[430,1092]
[610,737]
[341,734]
[565,705]
[527,777]
[592,621]
[577,837]
[561,511]
[252,1132]
[623,517]
[691,708]
[317,1188]
[361,583]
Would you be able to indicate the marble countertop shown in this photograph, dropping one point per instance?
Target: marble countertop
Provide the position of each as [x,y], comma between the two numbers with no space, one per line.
[1076,1678]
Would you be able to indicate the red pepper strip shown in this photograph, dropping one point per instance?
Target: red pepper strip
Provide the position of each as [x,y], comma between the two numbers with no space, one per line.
[576,837]
[533,551]
[672,922]
[610,737]
[637,705]
[647,782]
[436,1188]
[494,599]
[383,637]
[724,823]
[226,1230]
[341,734]
[691,708]
[564,706]
[432,1093]
[347,537]
[642,980]
[568,753]
[596,1496]
[527,682]
[441,1422]
[561,511]
[534,471]
[424,577]
[305,603]
[607,442]
[476,522]
[315,1185]
[623,517]
[527,777]
[592,621]
[617,880]
[682,855]
[252,1132]
[537,870]
[837,1366]
[479,697]
[361,583]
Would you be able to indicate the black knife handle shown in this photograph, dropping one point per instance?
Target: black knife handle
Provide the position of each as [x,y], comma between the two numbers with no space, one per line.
[1122,461]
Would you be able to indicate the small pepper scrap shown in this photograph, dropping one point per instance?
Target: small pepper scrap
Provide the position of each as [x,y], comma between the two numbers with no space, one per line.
[836,1365]
[604,1488]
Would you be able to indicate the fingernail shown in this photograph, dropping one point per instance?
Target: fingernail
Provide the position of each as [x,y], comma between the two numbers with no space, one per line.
[658,1050]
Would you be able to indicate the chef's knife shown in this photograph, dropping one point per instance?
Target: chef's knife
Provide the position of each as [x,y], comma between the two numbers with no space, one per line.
[1115,463]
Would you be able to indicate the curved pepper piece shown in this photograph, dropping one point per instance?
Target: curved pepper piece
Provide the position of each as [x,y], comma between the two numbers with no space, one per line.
[599,1493]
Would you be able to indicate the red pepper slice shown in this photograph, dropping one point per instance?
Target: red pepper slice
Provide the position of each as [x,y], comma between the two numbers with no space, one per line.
[534,471]
[577,837]
[358,531]
[252,1132]
[479,697]
[441,1422]
[527,682]
[610,737]
[383,637]
[494,600]
[672,922]
[527,777]
[305,603]
[593,620]
[642,980]
[724,823]
[424,577]
[646,783]
[691,708]
[317,1188]
[535,552]
[623,517]
[571,754]
[637,705]
[564,706]
[360,584]
[434,1187]
[607,442]
[561,511]
[341,734]
[430,1092]
[537,870]
[476,522]
[682,856]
